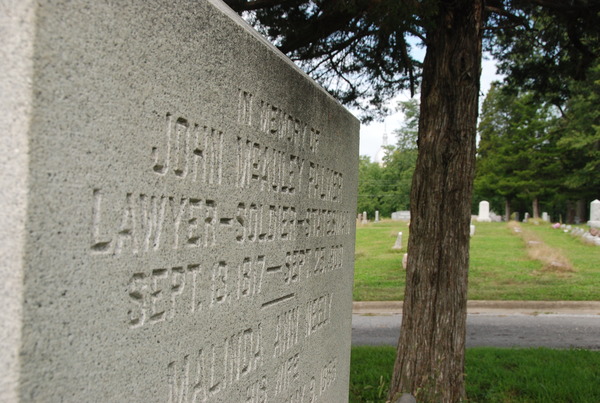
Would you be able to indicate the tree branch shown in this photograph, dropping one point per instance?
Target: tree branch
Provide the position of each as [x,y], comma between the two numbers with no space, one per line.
[243,5]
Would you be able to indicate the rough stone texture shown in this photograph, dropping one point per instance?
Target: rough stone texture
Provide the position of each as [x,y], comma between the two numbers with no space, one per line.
[484,212]
[177,209]
[16,49]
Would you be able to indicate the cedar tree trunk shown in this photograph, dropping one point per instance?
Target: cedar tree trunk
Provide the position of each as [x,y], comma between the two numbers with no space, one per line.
[507,209]
[430,360]
[536,207]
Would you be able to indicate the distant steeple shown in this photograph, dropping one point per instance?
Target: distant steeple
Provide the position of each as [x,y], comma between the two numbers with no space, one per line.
[382,150]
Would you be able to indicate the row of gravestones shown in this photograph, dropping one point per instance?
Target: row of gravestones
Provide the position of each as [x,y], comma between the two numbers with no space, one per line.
[177,209]
[486,216]
[591,236]
[364,218]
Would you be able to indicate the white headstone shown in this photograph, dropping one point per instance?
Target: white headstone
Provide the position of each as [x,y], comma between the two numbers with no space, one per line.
[545,217]
[401,215]
[472,230]
[364,218]
[405,261]
[594,214]
[484,212]
[398,244]
[377,216]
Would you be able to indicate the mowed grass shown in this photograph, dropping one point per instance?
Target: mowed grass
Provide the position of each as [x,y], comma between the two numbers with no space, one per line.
[493,375]
[378,274]
[500,267]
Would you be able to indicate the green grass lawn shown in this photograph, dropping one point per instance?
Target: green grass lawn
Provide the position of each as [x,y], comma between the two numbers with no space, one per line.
[493,375]
[500,268]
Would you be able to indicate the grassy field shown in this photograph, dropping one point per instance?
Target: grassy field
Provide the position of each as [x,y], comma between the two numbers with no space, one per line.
[503,263]
[494,375]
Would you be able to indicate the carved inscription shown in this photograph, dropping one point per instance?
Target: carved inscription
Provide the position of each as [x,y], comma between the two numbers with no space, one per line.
[324,184]
[190,151]
[318,314]
[268,169]
[287,331]
[257,392]
[265,191]
[328,375]
[276,123]
[203,375]
[258,223]
[209,371]
[322,222]
[163,294]
[151,223]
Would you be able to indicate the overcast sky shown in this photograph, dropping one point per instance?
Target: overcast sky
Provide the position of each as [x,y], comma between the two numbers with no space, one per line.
[371,135]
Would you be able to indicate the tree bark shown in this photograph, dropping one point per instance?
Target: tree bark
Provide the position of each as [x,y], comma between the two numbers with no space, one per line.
[507,209]
[536,207]
[430,360]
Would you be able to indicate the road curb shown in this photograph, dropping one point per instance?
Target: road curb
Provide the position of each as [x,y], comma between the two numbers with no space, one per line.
[490,307]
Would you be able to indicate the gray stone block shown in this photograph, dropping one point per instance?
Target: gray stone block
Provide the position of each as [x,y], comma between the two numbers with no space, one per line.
[177,214]
[406,398]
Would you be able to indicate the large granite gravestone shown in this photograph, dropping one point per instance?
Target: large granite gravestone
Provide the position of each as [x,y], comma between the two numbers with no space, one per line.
[178,207]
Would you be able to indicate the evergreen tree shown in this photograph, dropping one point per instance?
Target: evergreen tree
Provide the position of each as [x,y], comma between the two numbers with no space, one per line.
[371,187]
[579,142]
[517,155]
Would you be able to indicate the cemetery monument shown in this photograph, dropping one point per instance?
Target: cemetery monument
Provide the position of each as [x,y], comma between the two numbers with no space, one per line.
[178,207]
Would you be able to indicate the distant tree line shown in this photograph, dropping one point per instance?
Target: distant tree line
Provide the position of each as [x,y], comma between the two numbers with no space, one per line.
[534,154]
[540,153]
[386,188]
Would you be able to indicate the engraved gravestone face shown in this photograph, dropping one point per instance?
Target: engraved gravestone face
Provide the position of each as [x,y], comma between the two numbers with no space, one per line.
[182,220]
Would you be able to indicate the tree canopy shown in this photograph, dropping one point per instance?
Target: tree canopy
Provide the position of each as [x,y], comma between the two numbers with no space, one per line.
[517,156]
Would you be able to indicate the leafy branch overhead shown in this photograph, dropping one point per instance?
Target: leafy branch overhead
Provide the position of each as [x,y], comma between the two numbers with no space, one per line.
[362,51]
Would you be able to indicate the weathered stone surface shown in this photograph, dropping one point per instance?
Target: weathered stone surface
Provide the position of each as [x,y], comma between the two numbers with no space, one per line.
[398,243]
[177,213]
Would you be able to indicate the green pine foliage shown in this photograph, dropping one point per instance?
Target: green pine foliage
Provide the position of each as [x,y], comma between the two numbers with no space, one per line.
[579,140]
[518,157]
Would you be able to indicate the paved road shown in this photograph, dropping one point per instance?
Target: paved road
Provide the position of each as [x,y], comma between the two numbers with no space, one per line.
[514,330]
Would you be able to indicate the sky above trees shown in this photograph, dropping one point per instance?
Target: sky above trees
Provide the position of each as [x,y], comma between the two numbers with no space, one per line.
[371,134]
